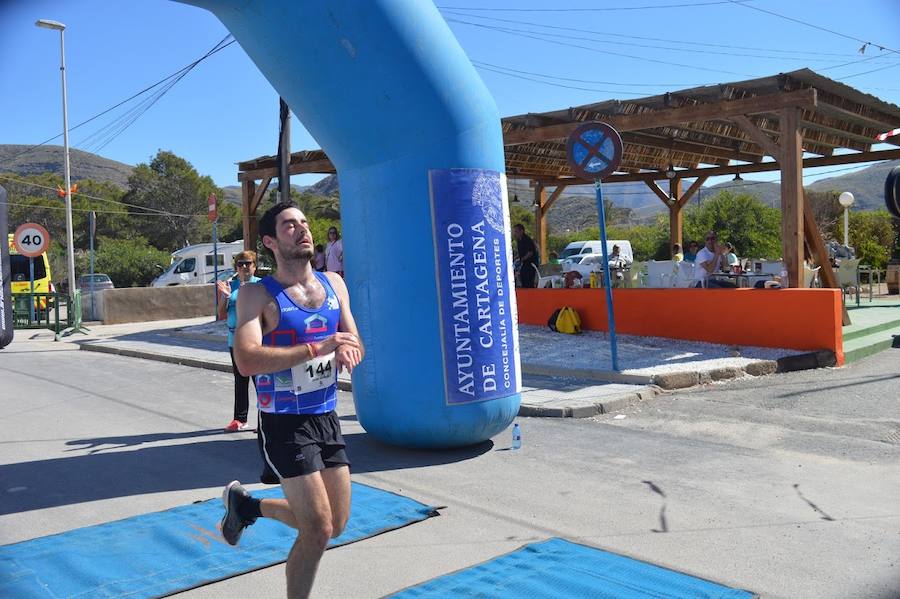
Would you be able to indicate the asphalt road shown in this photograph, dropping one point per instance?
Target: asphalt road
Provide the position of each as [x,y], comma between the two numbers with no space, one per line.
[784,485]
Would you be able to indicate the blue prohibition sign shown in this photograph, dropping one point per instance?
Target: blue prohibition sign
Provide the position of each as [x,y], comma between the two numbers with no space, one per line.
[594,150]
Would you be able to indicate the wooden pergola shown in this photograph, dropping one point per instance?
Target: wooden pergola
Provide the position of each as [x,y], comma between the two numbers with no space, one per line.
[798,120]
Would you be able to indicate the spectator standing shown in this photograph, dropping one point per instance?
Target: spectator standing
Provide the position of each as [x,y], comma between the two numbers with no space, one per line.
[334,252]
[319,258]
[245,265]
[677,254]
[528,261]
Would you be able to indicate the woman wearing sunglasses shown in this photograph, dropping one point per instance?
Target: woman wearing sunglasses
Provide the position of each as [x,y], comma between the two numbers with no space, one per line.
[334,252]
[245,265]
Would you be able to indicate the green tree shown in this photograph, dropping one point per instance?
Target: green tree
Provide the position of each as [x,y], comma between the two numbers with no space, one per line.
[128,262]
[871,235]
[740,218]
[520,215]
[171,185]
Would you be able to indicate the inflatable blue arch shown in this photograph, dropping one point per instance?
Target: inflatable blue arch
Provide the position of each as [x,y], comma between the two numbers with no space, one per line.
[388,93]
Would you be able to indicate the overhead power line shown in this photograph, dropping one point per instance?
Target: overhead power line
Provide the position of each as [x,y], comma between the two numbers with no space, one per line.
[814,26]
[553,84]
[591,81]
[148,211]
[739,52]
[589,49]
[592,9]
[117,127]
[123,212]
[218,47]
[651,39]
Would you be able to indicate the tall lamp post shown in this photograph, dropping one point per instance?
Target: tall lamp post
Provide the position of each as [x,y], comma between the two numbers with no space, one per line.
[846,200]
[47,24]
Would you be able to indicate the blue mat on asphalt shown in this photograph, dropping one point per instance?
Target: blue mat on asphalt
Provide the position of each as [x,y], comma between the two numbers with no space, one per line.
[561,569]
[158,554]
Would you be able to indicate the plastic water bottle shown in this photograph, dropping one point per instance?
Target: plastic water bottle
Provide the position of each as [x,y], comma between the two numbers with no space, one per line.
[516,437]
[784,279]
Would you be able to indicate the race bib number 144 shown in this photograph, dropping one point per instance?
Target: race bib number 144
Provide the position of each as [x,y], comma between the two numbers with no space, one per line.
[315,374]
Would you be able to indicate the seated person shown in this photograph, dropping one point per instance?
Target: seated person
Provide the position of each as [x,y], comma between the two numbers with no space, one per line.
[709,260]
[572,280]
[729,258]
[691,254]
[617,263]
[677,254]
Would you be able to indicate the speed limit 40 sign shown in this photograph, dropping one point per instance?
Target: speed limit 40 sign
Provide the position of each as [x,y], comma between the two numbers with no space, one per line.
[31,239]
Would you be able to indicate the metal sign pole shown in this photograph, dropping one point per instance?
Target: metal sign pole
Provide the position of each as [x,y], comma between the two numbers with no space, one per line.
[31,297]
[610,316]
[92,225]
[215,234]
[594,150]
[213,216]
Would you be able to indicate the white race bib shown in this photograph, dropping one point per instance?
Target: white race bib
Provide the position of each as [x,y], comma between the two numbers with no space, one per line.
[315,374]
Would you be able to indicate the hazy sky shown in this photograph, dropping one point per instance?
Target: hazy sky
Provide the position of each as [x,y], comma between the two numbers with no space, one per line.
[224,111]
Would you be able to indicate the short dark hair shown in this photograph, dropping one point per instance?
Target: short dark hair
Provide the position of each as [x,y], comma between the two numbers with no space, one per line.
[519,226]
[267,223]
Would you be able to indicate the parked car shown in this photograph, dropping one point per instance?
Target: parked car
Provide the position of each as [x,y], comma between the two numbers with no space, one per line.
[195,264]
[97,281]
[577,250]
[585,256]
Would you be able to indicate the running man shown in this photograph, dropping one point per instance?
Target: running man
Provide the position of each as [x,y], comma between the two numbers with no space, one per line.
[294,331]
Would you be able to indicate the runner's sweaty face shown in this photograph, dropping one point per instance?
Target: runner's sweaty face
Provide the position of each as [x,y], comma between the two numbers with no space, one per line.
[292,236]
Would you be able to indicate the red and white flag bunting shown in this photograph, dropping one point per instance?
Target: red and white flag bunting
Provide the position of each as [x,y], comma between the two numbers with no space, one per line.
[884,136]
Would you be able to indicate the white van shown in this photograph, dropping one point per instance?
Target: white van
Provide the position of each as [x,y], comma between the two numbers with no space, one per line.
[575,252]
[195,264]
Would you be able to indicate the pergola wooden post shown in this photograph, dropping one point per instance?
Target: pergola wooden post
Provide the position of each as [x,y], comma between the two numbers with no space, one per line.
[251,196]
[675,201]
[792,196]
[542,206]
[676,217]
[540,222]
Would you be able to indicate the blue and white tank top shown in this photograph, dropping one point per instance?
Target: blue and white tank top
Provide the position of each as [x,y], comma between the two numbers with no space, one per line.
[309,387]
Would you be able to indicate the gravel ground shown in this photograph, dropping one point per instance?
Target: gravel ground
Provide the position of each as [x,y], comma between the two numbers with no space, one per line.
[645,356]
[637,355]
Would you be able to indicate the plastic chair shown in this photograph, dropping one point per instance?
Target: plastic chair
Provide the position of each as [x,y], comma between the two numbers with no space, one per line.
[848,276]
[660,273]
[685,274]
[809,275]
[772,267]
[635,276]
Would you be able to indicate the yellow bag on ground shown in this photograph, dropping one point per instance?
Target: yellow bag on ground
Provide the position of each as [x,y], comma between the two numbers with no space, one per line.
[565,320]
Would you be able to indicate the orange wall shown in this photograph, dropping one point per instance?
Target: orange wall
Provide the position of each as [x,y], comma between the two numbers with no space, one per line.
[808,319]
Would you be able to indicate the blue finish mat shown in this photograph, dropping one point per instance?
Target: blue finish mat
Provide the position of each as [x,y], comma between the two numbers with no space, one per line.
[558,568]
[157,554]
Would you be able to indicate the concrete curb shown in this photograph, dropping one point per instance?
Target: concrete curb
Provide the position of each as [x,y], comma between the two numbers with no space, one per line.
[606,376]
[343,384]
[147,355]
[604,406]
[656,383]
[817,359]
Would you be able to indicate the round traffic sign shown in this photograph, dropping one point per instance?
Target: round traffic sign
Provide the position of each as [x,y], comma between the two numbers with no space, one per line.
[892,192]
[31,239]
[594,150]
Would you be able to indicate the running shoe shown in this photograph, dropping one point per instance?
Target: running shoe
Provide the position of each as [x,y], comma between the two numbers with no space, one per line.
[232,524]
[236,425]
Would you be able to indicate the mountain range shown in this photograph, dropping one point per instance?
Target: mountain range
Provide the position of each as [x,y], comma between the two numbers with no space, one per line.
[575,209]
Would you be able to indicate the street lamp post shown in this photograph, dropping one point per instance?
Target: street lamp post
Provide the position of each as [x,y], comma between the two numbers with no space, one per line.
[846,200]
[47,24]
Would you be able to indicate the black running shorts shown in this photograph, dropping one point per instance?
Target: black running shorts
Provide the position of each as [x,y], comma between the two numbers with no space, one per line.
[296,445]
